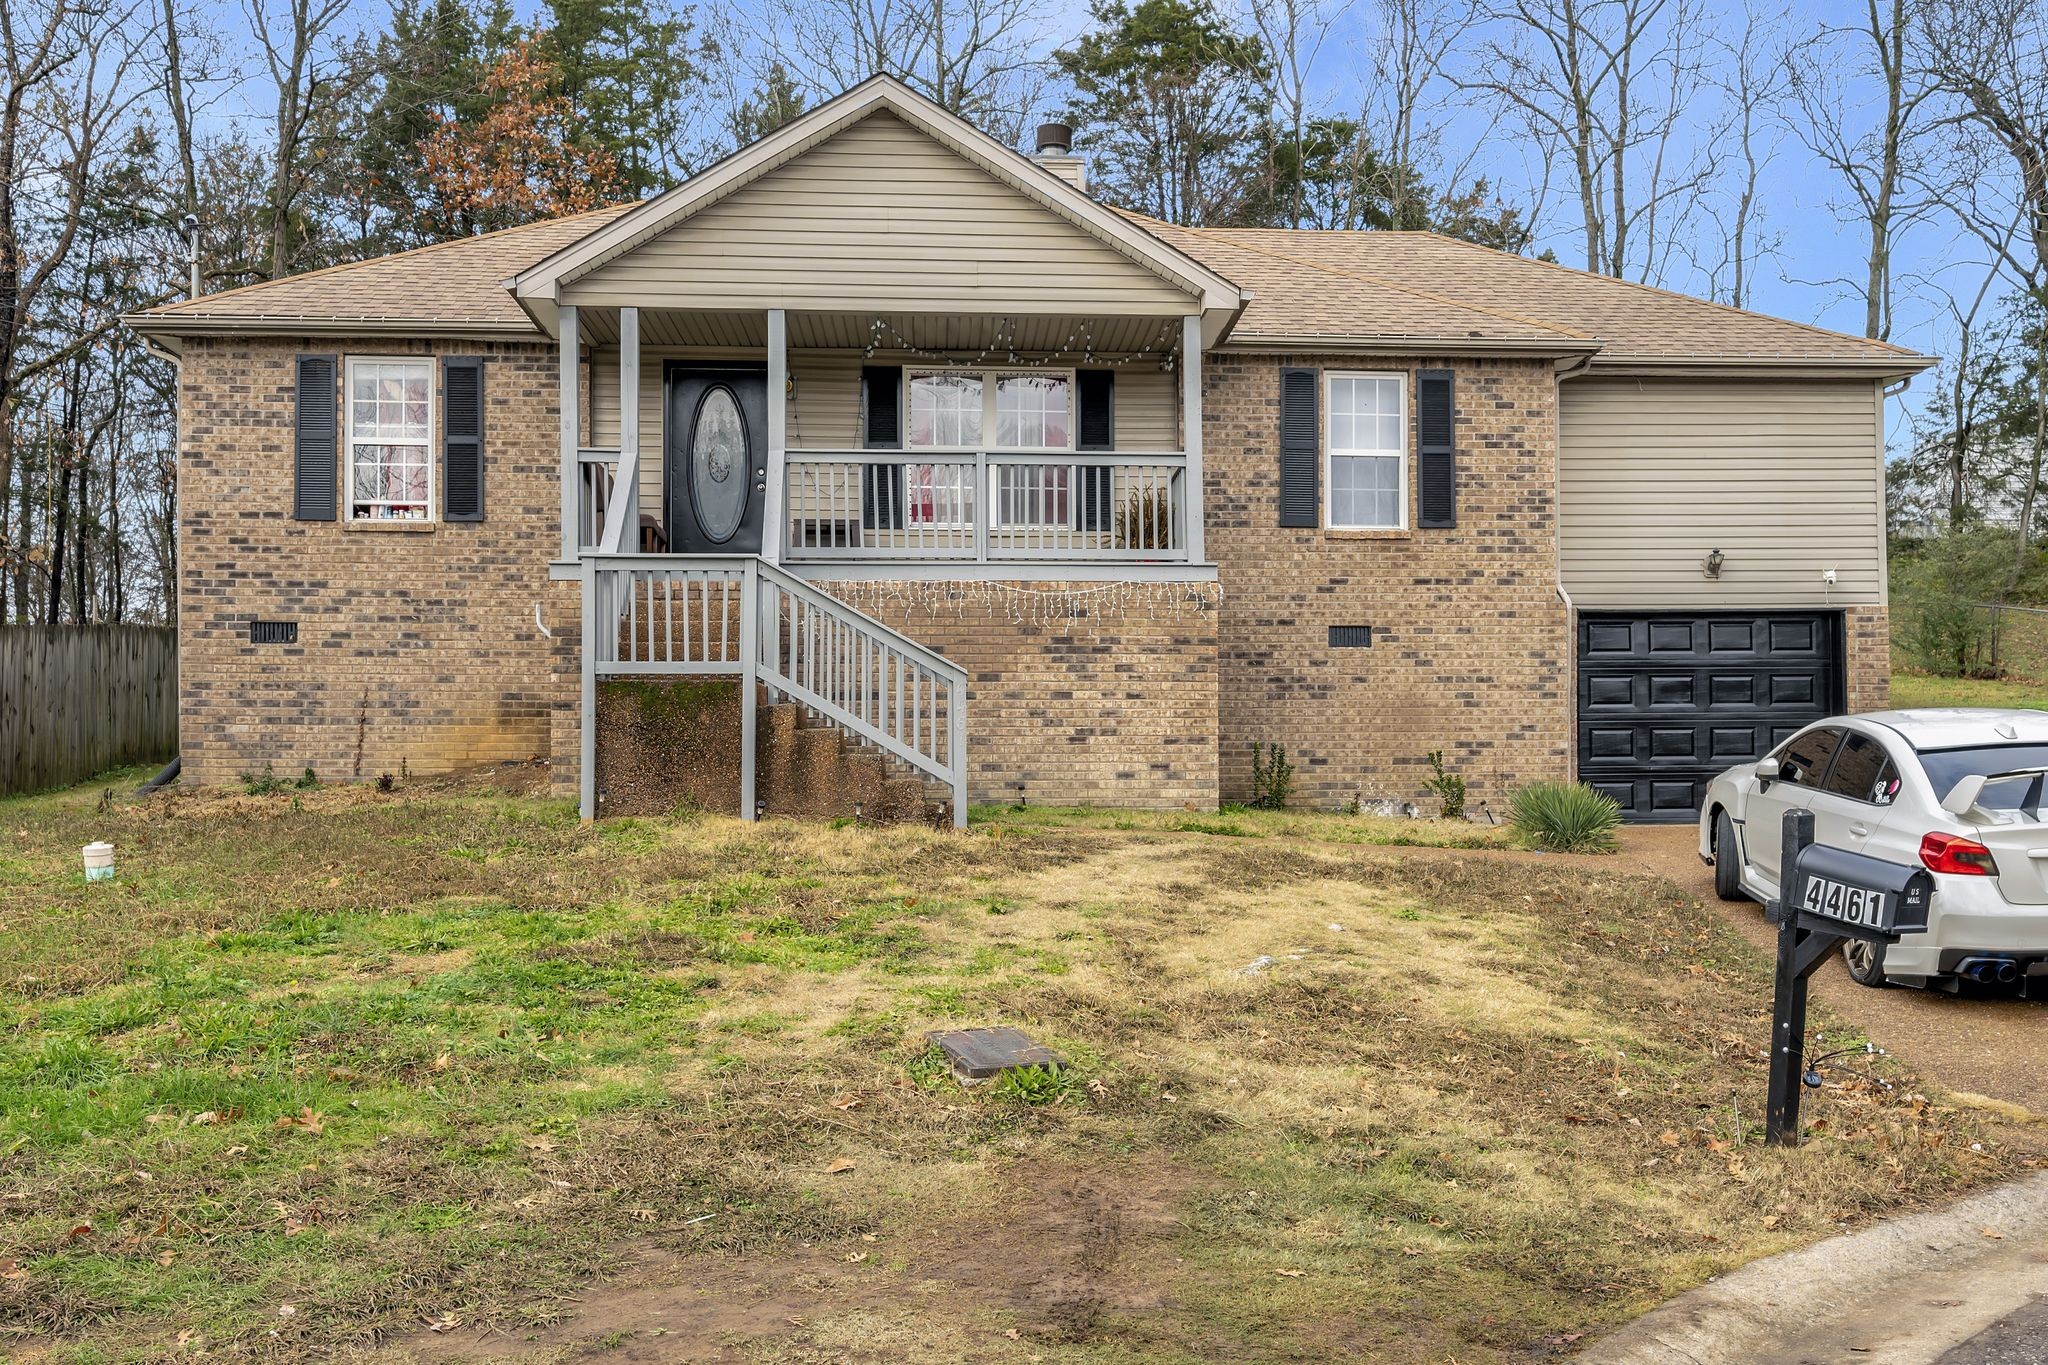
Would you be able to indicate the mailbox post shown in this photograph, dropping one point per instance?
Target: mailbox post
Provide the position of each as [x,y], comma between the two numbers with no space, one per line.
[1825,895]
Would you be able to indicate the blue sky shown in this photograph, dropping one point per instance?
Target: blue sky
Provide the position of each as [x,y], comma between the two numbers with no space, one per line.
[1815,245]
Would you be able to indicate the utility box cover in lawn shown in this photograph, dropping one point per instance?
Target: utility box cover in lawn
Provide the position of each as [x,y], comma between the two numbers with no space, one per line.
[980,1053]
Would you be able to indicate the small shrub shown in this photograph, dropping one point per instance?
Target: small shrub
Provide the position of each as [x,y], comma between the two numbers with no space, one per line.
[1446,786]
[308,779]
[1047,1084]
[1272,777]
[265,783]
[385,782]
[1564,817]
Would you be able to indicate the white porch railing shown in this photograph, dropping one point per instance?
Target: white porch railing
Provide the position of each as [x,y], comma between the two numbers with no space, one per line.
[596,470]
[894,505]
[702,614]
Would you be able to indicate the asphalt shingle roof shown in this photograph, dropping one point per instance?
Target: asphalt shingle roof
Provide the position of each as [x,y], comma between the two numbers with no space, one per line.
[1382,288]
[1430,287]
[460,282]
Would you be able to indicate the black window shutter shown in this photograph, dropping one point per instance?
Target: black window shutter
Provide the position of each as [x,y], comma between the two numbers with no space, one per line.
[882,406]
[462,438]
[881,485]
[314,440]
[1095,429]
[1300,446]
[1436,460]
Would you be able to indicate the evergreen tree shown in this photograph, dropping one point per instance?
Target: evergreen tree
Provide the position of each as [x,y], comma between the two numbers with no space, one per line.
[1168,99]
[628,71]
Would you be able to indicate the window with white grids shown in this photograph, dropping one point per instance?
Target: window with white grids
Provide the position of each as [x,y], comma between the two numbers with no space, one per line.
[1366,446]
[390,440]
[945,410]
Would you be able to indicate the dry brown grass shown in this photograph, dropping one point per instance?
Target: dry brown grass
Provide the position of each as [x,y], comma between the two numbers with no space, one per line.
[1464,1108]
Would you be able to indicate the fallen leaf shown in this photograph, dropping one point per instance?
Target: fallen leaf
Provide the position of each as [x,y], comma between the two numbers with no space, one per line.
[442,1062]
[444,1322]
[641,1215]
[1291,1274]
[856,1257]
[846,1101]
[1994,1236]
[286,1310]
[840,1165]
[82,1230]
[165,1258]
[1411,1251]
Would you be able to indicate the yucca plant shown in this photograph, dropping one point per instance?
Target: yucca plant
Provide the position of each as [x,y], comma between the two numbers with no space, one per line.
[1564,817]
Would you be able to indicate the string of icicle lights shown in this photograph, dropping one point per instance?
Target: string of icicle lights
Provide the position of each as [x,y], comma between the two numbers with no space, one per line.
[1069,609]
[882,335]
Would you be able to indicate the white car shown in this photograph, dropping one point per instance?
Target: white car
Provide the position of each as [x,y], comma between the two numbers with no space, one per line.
[1959,792]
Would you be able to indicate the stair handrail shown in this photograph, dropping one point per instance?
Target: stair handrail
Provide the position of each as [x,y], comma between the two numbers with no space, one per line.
[767,660]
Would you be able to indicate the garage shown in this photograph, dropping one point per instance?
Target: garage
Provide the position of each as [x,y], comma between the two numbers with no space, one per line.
[1666,700]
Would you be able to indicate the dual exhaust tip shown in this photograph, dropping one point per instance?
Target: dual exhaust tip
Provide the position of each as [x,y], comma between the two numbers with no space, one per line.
[1986,970]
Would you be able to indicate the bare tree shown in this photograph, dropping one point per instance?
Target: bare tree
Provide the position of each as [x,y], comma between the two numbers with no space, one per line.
[1753,76]
[1293,32]
[978,58]
[290,40]
[1988,59]
[66,95]
[1407,67]
[1860,103]
[1604,86]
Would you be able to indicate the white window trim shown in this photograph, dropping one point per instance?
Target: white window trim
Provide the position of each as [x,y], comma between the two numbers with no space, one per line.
[1330,522]
[988,377]
[348,436]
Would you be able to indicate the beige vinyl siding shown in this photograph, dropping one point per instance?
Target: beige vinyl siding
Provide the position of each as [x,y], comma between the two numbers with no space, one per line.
[1784,478]
[880,217]
[824,412]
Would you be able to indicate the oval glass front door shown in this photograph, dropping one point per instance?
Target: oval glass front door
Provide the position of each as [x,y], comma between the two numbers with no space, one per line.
[720,478]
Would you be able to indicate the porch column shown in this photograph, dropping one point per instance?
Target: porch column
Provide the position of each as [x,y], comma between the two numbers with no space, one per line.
[622,523]
[772,528]
[572,472]
[1191,421]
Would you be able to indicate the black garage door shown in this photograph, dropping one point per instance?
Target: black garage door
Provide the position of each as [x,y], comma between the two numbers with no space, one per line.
[1667,701]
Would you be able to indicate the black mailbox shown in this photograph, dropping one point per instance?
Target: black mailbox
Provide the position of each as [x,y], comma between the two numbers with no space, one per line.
[1829,894]
[1860,895]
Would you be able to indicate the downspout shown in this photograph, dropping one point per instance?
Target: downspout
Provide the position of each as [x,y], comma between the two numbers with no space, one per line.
[1571,370]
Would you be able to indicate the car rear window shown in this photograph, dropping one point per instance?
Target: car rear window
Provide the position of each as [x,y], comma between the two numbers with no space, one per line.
[1946,767]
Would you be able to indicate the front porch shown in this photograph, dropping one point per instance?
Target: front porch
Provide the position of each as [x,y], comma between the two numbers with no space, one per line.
[908,455]
[1107,474]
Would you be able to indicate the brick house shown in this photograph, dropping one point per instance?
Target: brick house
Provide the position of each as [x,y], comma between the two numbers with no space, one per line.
[879,453]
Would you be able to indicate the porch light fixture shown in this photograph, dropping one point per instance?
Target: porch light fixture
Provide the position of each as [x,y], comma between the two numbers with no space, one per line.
[1711,565]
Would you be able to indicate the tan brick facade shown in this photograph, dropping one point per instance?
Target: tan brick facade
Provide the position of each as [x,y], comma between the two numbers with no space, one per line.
[1078,693]
[417,647]
[1471,643]
[1867,657]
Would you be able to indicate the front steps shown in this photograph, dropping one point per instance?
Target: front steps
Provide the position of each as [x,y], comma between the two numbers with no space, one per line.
[668,745]
[809,768]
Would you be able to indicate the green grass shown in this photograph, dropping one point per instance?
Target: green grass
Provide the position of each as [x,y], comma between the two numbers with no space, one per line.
[321,1066]
[1919,689]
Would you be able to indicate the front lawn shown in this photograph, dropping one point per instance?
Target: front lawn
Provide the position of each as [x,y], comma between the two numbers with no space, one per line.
[445,1075]
[1920,689]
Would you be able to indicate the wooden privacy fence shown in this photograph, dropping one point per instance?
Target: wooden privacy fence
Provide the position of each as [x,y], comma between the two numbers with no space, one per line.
[77,700]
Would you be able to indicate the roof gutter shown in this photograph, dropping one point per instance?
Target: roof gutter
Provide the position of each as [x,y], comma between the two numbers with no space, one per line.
[1638,365]
[171,326]
[1402,344]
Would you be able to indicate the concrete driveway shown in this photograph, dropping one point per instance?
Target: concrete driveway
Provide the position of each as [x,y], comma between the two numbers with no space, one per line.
[1980,1043]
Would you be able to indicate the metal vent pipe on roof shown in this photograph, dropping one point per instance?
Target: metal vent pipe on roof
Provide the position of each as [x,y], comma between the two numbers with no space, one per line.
[1056,138]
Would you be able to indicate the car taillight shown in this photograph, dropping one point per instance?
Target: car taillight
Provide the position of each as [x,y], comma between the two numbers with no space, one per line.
[1954,853]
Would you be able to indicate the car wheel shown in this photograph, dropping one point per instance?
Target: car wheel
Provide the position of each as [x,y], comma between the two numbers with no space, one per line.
[1727,860]
[1865,959]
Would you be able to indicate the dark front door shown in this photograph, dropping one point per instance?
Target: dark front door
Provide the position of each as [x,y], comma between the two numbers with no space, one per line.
[1668,700]
[717,446]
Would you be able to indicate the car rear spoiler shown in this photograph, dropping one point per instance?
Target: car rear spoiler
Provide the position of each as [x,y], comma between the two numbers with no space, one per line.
[1963,796]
